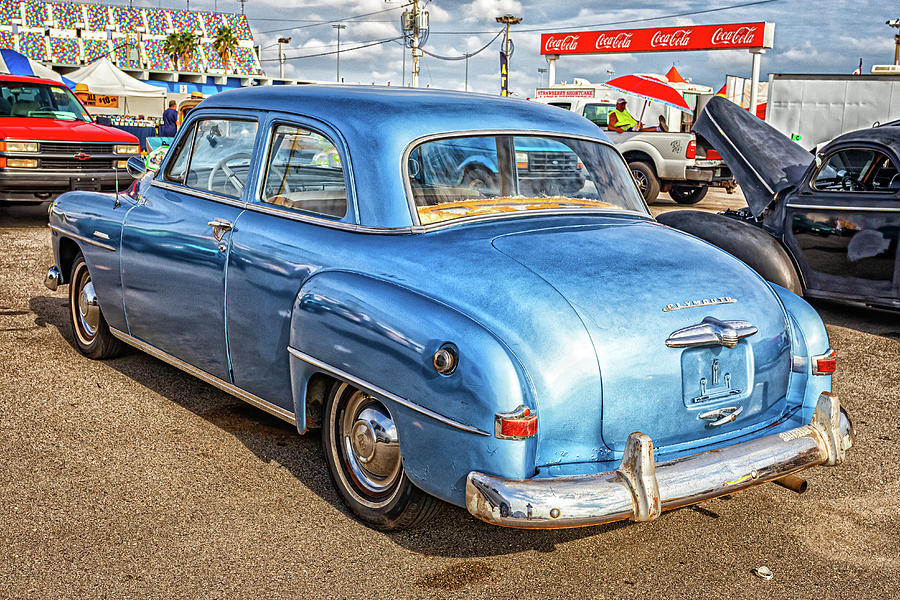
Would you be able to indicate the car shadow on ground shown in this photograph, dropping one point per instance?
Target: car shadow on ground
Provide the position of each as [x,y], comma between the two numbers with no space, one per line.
[885,323]
[21,215]
[453,533]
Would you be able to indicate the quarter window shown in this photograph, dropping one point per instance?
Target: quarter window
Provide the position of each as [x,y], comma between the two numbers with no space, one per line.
[221,157]
[304,173]
[857,170]
[177,168]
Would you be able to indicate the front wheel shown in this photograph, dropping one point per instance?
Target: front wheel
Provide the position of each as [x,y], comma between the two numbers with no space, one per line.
[646,180]
[688,194]
[89,328]
[362,449]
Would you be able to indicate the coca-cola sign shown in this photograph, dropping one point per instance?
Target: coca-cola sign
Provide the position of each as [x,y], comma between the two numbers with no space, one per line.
[661,39]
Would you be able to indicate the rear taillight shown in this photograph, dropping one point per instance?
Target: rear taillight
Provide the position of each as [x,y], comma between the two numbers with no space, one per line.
[691,149]
[713,155]
[824,364]
[518,424]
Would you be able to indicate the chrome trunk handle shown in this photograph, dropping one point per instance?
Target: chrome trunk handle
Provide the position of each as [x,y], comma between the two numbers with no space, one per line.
[722,415]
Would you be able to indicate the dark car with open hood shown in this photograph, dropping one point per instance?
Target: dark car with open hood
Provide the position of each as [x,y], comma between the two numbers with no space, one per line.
[825,226]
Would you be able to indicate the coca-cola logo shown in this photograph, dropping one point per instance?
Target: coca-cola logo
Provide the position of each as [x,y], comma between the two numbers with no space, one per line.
[742,36]
[561,44]
[613,42]
[673,39]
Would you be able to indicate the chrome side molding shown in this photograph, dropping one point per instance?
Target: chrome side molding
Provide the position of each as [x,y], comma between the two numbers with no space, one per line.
[710,332]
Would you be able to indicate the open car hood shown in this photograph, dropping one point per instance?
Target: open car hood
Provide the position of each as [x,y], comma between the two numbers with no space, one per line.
[763,160]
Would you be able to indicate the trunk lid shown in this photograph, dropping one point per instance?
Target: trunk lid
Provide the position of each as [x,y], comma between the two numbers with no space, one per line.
[619,278]
[763,160]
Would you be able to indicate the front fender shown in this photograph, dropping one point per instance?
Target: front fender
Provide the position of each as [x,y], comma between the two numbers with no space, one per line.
[385,335]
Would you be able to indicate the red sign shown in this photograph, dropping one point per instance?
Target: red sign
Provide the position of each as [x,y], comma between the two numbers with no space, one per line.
[661,39]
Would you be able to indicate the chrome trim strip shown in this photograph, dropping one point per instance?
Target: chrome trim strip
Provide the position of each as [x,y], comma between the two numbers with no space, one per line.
[203,375]
[81,238]
[182,189]
[889,209]
[739,153]
[374,389]
[101,235]
[342,225]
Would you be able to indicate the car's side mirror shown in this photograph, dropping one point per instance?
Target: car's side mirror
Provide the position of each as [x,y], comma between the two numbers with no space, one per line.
[136,167]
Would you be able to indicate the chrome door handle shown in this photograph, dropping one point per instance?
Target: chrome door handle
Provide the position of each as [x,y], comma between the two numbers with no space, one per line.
[219,227]
[722,415]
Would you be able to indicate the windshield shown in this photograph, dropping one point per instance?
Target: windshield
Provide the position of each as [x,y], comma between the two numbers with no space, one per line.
[40,101]
[462,177]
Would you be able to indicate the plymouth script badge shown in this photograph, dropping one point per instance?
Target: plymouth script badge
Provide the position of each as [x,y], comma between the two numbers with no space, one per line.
[696,303]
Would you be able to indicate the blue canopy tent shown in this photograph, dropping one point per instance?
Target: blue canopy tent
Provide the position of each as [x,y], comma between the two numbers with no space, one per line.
[13,63]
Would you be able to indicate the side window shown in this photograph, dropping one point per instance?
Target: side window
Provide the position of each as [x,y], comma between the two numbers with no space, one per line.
[598,113]
[304,173]
[223,151]
[177,167]
[856,170]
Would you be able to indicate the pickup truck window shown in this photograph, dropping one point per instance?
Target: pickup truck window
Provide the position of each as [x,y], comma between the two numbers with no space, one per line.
[460,177]
[304,173]
[40,101]
[598,113]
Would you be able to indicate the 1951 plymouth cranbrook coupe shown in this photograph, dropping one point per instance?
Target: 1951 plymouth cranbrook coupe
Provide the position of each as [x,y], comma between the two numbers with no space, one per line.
[544,360]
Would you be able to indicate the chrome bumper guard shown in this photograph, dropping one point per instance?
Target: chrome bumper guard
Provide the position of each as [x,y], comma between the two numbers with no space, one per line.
[640,489]
[53,278]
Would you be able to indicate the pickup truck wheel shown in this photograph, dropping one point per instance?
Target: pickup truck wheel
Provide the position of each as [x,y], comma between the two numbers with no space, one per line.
[479,178]
[688,194]
[646,180]
[89,328]
[362,450]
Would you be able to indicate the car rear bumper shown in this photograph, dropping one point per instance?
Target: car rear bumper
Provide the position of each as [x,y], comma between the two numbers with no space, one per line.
[640,489]
[43,184]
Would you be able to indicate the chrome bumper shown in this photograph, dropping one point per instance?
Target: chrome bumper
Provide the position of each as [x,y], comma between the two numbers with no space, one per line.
[640,489]
[53,278]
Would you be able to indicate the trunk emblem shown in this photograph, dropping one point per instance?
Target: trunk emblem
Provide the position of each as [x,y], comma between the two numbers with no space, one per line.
[716,390]
[81,156]
[695,303]
[711,332]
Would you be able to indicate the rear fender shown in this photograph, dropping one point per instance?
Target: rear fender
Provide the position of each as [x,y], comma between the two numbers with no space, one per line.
[360,329]
[751,244]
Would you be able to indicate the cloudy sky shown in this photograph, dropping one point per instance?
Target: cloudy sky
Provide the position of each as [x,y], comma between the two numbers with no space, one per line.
[810,37]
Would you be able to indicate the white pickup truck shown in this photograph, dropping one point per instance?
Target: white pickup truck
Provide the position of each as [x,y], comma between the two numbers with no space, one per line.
[669,161]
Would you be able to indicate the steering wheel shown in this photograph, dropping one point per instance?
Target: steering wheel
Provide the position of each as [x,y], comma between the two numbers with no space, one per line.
[230,176]
[850,184]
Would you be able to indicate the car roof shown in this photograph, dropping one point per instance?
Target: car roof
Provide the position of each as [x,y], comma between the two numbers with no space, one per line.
[27,79]
[886,135]
[378,123]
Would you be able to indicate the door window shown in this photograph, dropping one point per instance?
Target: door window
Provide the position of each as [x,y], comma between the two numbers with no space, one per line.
[221,156]
[857,170]
[304,173]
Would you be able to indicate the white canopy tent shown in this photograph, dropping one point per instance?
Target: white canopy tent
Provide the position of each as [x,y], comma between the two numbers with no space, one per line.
[103,77]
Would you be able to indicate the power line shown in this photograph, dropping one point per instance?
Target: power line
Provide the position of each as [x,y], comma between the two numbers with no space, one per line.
[343,50]
[467,54]
[319,23]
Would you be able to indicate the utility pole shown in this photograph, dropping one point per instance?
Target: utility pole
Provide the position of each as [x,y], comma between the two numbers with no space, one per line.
[414,24]
[508,20]
[896,24]
[338,27]
[541,71]
[242,6]
[282,40]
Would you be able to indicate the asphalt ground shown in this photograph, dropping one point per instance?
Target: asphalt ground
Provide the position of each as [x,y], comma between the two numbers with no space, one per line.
[130,479]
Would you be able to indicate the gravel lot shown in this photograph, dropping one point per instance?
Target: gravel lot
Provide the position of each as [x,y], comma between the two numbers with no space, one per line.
[128,478]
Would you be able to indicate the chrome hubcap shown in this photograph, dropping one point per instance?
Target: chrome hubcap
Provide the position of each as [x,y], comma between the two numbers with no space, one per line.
[88,308]
[369,443]
[641,181]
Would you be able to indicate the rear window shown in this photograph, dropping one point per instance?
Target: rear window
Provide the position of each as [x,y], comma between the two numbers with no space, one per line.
[479,176]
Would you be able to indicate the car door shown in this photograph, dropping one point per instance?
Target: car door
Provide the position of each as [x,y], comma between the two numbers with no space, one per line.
[843,224]
[175,242]
[297,222]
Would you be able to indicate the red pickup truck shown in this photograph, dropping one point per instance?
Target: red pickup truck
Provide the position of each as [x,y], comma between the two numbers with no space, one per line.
[49,144]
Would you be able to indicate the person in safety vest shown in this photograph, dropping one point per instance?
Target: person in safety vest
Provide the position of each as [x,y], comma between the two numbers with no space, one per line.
[621,120]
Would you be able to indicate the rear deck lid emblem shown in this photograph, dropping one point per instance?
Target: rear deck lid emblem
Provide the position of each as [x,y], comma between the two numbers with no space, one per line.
[701,302]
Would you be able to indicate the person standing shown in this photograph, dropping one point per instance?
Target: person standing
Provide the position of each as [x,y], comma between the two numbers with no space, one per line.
[170,121]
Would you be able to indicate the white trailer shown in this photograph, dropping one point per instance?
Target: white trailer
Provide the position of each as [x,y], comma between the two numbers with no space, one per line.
[814,109]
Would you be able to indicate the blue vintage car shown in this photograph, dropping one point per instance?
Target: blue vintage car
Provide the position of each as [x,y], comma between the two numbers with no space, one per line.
[543,359]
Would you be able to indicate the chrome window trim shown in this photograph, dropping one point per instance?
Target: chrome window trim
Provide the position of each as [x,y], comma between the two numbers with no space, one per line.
[183,189]
[341,225]
[378,391]
[527,214]
[844,207]
[81,238]
[410,200]
[244,395]
[812,180]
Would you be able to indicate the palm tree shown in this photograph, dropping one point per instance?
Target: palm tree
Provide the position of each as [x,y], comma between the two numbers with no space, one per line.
[225,43]
[180,47]
[172,47]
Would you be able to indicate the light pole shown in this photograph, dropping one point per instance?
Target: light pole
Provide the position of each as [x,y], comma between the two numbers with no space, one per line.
[508,20]
[338,27]
[541,71]
[896,24]
[282,40]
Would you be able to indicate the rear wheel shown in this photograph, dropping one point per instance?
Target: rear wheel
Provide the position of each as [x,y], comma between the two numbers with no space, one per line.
[362,450]
[688,194]
[481,179]
[89,328]
[646,180]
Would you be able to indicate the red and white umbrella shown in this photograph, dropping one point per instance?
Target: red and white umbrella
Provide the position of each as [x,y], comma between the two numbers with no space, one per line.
[650,89]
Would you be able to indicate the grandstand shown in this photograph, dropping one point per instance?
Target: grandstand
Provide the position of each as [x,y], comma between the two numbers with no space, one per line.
[67,35]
